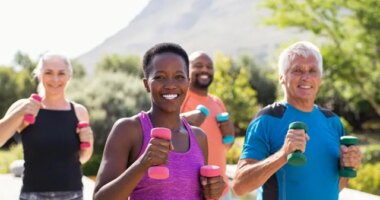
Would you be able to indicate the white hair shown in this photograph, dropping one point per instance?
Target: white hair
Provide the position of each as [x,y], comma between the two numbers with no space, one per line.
[39,68]
[302,48]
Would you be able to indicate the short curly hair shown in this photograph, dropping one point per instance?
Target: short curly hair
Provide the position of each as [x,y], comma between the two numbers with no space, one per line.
[164,48]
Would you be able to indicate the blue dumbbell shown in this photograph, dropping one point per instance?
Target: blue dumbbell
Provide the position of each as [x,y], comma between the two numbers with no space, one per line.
[203,110]
[223,117]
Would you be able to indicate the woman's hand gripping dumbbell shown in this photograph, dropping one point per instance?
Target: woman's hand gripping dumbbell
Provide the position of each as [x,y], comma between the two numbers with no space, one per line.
[29,118]
[160,171]
[212,181]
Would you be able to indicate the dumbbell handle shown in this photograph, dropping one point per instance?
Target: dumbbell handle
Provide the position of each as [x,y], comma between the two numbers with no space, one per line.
[348,172]
[297,158]
[29,118]
[160,171]
[84,145]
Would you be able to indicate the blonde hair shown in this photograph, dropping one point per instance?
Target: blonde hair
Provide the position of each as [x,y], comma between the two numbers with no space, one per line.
[302,48]
[39,68]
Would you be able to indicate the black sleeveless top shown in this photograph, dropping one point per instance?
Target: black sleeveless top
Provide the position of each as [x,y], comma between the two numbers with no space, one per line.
[51,152]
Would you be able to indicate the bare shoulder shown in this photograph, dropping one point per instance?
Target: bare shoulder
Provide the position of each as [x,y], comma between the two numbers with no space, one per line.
[125,134]
[199,133]
[127,124]
[81,112]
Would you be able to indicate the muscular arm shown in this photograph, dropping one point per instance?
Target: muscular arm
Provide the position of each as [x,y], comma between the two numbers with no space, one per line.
[251,174]
[116,179]
[122,168]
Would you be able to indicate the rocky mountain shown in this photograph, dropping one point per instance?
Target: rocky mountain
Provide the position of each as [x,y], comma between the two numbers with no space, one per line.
[228,26]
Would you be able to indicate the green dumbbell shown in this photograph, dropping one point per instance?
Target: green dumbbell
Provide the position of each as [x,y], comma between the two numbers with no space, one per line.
[348,172]
[297,158]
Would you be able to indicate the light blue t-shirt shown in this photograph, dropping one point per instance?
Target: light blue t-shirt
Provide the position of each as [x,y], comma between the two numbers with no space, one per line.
[318,178]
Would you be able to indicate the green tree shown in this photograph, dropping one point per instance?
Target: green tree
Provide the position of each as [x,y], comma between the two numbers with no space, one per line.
[8,88]
[117,63]
[78,69]
[231,84]
[349,31]
[108,98]
[259,80]
[24,61]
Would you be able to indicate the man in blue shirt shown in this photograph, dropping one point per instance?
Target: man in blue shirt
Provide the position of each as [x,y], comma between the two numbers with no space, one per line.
[268,142]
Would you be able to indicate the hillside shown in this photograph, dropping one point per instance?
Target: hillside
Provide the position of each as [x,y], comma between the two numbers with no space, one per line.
[232,27]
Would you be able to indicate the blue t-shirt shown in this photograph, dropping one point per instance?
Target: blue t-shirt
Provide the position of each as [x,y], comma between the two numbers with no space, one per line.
[318,178]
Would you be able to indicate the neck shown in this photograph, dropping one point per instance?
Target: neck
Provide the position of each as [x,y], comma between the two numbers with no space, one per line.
[55,102]
[169,120]
[201,92]
[305,106]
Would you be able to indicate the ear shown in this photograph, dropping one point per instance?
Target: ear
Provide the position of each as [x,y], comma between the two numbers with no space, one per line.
[281,79]
[146,85]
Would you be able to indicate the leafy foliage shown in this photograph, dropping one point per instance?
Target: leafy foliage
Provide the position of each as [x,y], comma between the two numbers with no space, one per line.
[108,98]
[368,179]
[117,63]
[349,35]
[231,84]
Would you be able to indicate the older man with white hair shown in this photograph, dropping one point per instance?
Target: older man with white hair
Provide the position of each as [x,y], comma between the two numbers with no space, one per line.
[268,160]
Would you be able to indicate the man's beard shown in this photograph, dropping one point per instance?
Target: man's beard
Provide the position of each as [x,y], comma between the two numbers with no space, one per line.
[204,86]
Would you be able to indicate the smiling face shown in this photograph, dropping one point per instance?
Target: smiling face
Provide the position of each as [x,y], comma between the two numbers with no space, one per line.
[301,81]
[201,71]
[167,81]
[54,76]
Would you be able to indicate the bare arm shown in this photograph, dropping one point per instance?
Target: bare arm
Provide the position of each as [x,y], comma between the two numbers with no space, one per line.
[251,174]
[13,120]
[85,134]
[194,117]
[121,170]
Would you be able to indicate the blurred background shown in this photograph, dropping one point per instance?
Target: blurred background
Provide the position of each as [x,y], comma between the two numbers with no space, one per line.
[106,41]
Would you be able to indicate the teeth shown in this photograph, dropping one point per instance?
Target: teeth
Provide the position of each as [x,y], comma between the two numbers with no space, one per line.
[305,86]
[203,76]
[170,96]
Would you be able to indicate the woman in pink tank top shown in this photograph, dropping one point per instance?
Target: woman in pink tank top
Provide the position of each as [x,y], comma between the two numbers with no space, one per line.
[130,150]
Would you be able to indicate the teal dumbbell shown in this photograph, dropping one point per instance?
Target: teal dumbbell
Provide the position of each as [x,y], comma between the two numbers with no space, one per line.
[297,158]
[203,110]
[223,117]
[348,172]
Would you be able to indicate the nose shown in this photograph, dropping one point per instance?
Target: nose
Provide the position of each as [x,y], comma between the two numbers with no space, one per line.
[56,78]
[305,75]
[170,83]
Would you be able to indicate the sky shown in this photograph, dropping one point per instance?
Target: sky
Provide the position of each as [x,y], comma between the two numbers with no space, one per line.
[71,27]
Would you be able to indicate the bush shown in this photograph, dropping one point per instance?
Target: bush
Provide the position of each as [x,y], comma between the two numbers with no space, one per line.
[92,166]
[346,125]
[8,156]
[372,154]
[233,154]
[368,179]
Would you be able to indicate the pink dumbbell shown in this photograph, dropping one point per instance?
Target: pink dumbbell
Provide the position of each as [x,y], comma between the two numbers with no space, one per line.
[210,171]
[84,145]
[30,118]
[160,171]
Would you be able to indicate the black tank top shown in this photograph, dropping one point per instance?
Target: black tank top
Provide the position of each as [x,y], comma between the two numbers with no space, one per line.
[51,152]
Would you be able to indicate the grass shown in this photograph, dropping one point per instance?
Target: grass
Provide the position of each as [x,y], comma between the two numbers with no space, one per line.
[8,156]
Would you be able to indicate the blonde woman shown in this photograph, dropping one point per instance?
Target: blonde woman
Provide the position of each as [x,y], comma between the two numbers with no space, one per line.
[51,145]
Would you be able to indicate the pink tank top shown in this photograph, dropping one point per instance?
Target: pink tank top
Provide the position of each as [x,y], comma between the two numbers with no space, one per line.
[184,180]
